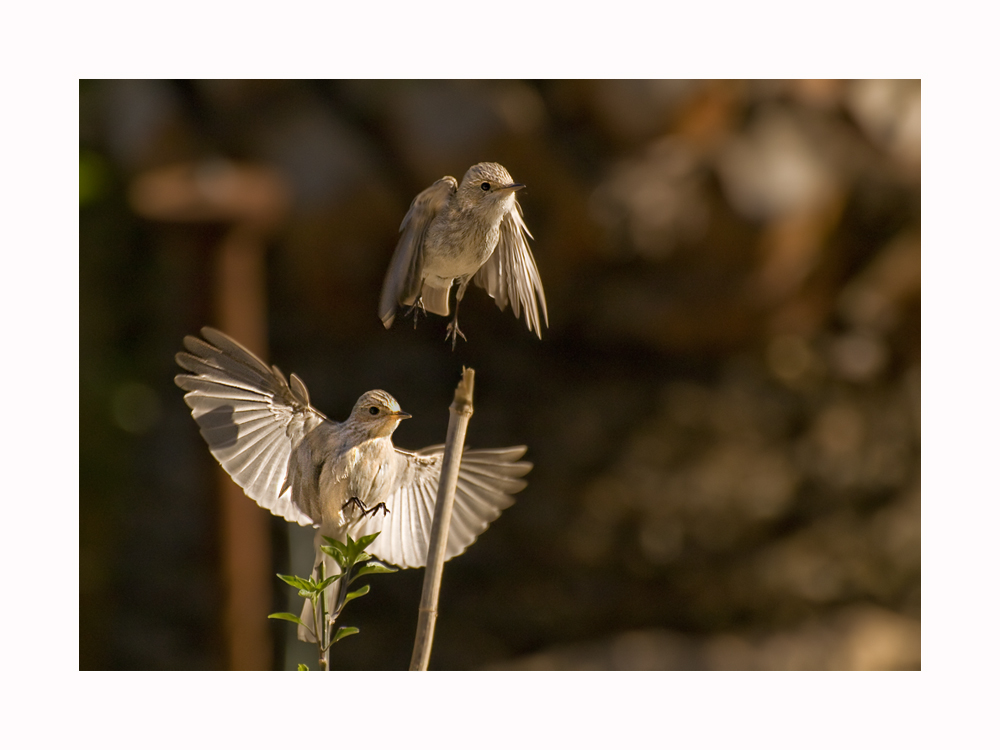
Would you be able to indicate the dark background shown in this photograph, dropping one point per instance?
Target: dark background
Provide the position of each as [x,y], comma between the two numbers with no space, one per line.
[723,415]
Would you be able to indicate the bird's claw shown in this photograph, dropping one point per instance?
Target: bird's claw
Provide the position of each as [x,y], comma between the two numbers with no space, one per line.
[356,502]
[364,510]
[453,332]
[416,309]
[375,508]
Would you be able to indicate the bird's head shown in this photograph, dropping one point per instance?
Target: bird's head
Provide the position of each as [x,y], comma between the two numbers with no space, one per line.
[488,187]
[377,414]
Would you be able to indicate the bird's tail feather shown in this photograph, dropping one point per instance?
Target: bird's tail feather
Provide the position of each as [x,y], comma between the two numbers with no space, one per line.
[435,299]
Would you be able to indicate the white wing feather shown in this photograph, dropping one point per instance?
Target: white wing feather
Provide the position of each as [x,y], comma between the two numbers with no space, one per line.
[487,479]
[510,273]
[250,417]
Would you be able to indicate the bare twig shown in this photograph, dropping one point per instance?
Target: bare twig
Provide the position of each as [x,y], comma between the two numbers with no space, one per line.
[461,411]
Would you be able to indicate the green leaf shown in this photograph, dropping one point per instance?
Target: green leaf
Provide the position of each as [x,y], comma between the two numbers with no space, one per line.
[322,585]
[356,593]
[286,616]
[356,547]
[373,567]
[336,554]
[336,543]
[352,549]
[299,583]
[343,633]
[365,540]
[303,668]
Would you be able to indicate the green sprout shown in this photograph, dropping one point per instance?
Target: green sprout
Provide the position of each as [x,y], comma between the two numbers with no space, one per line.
[353,562]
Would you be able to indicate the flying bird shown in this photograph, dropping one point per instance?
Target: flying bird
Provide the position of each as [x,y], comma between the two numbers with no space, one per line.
[339,477]
[457,233]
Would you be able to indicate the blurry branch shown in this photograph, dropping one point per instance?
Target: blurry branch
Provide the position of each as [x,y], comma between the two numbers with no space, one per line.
[458,422]
[354,562]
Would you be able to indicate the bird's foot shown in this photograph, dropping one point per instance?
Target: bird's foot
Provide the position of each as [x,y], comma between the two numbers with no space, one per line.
[453,332]
[416,310]
[375,509]
[356,502]
[364,510]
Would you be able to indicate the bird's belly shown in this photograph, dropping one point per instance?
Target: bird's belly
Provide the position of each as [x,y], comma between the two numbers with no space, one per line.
[451,253]
[452,265]
[362,473]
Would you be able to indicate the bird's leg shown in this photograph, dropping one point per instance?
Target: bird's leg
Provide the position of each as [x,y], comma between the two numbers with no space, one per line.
[416,309]
[376,508]
[453,331]
[364,510]
[357,503]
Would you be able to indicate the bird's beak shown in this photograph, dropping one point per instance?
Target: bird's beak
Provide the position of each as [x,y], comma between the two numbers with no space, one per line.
[402,415]
[513,186]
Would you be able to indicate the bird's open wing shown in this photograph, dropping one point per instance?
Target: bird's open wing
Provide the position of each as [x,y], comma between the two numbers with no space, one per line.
[486,481]
[402,280]
[249,415]
[511,275]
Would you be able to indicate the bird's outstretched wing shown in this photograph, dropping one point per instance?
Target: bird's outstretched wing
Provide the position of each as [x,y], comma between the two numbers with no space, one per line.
[402,280]
[486,481]
[249,415]
[511,275]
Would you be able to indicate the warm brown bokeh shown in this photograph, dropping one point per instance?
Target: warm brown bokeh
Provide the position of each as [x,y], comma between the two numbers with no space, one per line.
[724,415]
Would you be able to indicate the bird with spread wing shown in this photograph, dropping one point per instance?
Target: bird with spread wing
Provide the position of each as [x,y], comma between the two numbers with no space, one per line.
[337,476]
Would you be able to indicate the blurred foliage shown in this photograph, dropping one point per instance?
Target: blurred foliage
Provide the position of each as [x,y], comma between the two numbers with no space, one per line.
[94,177]
[723,416]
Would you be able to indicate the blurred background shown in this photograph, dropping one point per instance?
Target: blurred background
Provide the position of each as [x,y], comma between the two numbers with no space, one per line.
[724,414]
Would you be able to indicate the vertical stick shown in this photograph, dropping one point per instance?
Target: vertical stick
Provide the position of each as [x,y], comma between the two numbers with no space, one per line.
[241,311]
[461,411]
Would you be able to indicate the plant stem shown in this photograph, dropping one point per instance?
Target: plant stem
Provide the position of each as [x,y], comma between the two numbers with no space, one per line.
[458,422]
[322,629]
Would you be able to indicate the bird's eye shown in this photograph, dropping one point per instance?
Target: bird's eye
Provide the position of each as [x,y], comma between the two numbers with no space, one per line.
[373,410]
[485,186]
